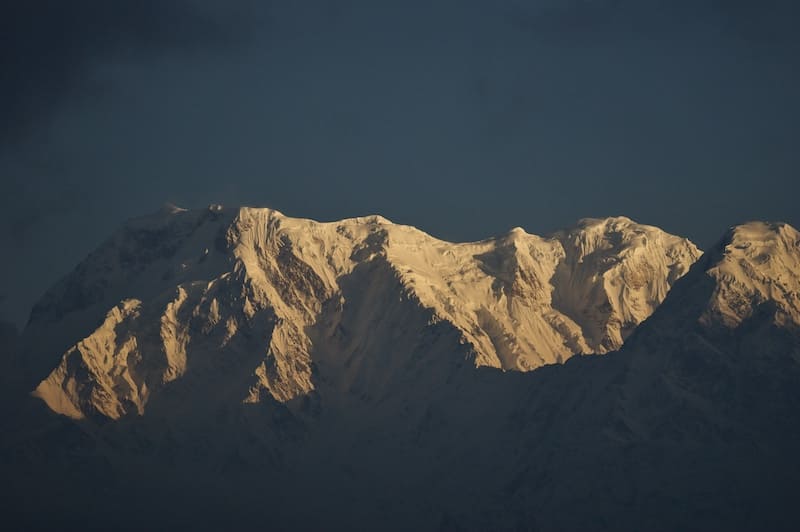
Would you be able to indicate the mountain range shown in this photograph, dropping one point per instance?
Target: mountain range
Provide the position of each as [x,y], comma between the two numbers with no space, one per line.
[235,367]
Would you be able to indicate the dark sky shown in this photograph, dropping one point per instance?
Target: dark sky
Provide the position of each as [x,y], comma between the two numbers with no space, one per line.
[462,117]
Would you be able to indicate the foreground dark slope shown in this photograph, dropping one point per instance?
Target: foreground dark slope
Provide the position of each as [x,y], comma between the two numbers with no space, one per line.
[693,425]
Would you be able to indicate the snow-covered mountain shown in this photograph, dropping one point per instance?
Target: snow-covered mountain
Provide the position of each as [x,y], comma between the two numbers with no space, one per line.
[242,369]
[183,293]
[695,423]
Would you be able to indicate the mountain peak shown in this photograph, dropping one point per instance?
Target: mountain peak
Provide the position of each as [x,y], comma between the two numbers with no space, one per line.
[769,237]
[373,219]
[747,284]
[608,221]
[755,263]
[618,272]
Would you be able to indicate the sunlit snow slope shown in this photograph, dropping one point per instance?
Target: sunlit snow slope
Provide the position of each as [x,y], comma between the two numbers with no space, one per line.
[252,303]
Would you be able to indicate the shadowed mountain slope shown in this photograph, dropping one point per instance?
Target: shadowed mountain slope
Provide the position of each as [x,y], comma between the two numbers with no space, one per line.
[350,375]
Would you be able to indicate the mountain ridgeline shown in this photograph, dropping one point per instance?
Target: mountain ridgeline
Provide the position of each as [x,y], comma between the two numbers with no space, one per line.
[173,295]
[240,367]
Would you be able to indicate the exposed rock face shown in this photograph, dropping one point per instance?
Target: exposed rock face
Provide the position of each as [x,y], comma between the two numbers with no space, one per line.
[254,301]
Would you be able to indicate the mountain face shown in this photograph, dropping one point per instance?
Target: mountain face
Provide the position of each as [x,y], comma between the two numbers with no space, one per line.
[694,423]
[250,301]
[241,369]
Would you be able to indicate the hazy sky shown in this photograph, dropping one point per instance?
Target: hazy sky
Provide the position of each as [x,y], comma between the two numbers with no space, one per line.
[461,117]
